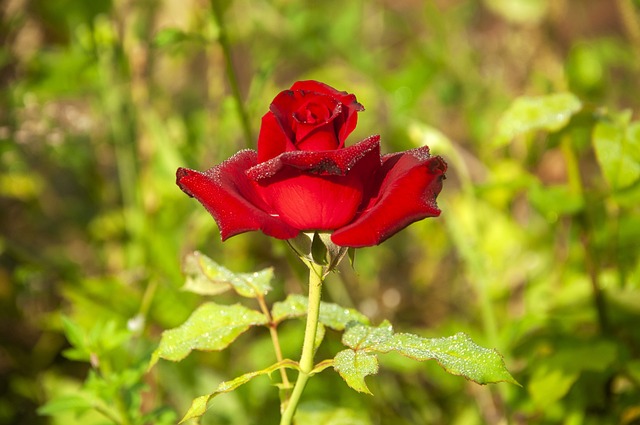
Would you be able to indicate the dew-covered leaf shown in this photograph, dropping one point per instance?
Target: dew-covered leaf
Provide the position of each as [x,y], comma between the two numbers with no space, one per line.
[353,366]
[362,337]
[331,315]
[292,307]
[206,277]
[195,267]
[211,327]
[457,354]
[617,147]
[200,404]
[526,114]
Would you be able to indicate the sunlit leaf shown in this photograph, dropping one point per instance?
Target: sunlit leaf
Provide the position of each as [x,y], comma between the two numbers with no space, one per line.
[364,337]
[548,385]
[197,280]
[555,200]
[74,333]
[199,405]
[331,315]
[521,11]
[206,277]
[353,366]
[211,327]
[526,114]
[457,354]
[617,147]
[65,403]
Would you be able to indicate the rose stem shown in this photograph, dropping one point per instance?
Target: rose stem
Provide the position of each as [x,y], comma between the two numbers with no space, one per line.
[231,74]
[308,346]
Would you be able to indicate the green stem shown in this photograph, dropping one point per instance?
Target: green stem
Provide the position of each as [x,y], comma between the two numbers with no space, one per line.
[231,74]
[275,340]
[308,346]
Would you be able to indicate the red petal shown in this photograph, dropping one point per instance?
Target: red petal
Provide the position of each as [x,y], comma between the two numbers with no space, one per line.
[272,140]
[312,202]
[309,200]
[351,107]
[226,192]
[288,104]
[336,162]
[408,184]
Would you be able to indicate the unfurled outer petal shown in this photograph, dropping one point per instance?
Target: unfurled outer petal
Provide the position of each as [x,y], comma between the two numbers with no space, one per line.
[407,186]
[318,190]
[230,197]
[336,162]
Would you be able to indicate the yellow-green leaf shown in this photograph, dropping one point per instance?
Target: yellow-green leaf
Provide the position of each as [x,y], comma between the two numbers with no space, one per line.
[206,277]
[617,147]
[200,404]
[526,114]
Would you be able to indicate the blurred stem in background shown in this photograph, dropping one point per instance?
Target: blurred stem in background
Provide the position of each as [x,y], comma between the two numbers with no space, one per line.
[218,19]
[585,222]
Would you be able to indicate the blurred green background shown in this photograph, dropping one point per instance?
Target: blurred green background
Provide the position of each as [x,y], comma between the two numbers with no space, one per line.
[535,254]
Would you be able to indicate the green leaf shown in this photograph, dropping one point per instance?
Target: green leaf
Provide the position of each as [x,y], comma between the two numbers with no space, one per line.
[555,200]
[206,277]
[526,114]
[548,385]
[171,37]
[211,327]
[353,366]
[521,11]
[199,405]
[197,268]
[457,354]
[617,147]
[553,377]
[316,412]
[362,337]
[74,333]
[64,404]
[331,315]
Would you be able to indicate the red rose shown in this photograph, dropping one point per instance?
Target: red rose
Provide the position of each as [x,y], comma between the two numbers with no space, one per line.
[309,116]
[303,178]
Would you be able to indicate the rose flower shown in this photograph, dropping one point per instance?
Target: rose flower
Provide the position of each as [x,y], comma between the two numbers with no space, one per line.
[303,178]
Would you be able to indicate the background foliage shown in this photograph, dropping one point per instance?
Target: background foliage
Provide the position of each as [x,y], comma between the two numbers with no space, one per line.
[535,254]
